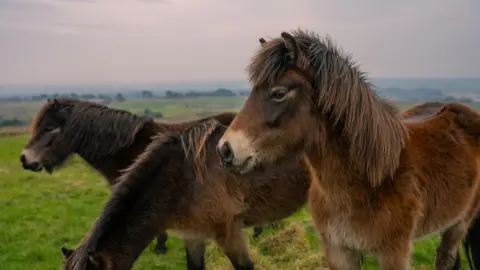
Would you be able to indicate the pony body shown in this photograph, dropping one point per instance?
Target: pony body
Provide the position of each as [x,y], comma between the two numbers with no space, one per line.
[178,184]
[378,181]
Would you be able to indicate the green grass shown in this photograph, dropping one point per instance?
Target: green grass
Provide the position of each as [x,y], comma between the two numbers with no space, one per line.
[41,213]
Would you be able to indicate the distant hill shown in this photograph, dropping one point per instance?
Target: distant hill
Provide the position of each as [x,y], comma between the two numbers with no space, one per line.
[450,86]
[460,85]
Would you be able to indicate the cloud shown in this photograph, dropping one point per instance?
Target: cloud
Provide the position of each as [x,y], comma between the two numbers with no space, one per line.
[148,40]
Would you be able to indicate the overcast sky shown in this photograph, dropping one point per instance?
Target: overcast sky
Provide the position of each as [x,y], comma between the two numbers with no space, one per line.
[130,41]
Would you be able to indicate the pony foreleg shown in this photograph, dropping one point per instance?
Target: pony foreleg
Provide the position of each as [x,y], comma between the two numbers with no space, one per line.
[341,258]
[450,242]
[195,251]
[233,246]
[398,259]
[257,231]
[161,247]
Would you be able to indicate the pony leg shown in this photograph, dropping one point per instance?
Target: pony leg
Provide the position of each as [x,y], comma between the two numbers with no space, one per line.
[395,260]
[195,251]
[457,264]
[161,247]
[471,244]
[257,231]
[341,258]
[233,246]
[450,242]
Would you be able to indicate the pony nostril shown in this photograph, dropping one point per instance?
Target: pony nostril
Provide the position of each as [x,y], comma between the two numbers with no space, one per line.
[35,166]
[23,159]
[226,153]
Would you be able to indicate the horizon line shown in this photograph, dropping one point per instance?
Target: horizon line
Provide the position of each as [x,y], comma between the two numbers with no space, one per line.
[209,81]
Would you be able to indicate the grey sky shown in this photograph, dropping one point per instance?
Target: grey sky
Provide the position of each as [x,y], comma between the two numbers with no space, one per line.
[69,41]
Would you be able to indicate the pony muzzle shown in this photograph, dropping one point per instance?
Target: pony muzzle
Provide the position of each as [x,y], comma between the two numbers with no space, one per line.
[235,154]
[29,162]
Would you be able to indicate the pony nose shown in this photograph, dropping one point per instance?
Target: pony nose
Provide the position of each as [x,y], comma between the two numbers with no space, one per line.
[226,154]
[23,159]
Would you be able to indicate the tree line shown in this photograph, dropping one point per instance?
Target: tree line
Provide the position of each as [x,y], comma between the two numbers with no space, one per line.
[122,96]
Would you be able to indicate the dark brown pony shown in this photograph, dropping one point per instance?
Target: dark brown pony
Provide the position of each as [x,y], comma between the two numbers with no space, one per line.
[107,139]
[178,184]
[378,181]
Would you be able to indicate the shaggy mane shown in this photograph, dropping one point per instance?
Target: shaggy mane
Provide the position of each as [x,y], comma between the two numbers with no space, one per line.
[194,143]
[372,126]
[97,129]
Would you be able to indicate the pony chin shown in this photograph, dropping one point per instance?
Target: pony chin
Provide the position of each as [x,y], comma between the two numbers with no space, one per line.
[49,169]
[249,165]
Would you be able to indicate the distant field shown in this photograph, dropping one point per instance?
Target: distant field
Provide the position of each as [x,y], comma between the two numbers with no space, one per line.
[172,109]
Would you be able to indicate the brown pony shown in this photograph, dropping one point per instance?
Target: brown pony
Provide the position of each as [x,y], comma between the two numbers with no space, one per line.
[178,184]
[471,242]
[378,181]
[107,139]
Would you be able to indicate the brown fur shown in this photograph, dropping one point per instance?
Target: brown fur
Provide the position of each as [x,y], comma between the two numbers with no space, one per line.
[107,139]
[379,182]
[161,190]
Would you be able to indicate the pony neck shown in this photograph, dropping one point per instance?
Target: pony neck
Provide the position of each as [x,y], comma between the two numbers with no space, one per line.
[112,165]
[330,171]
[106,165]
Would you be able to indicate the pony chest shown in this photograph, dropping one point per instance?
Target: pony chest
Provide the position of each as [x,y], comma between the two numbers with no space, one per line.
[338,230]
[336,224]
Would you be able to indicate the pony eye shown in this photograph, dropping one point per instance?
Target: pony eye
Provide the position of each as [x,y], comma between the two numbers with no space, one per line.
[278,94]
[49,129]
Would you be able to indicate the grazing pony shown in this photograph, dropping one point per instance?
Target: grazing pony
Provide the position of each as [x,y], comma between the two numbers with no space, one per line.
[107,139]
[178,184]
[378,181]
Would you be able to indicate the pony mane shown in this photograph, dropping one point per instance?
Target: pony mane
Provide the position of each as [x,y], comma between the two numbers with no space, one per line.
[130,186]
[194,142]
[342,93]
[97,129]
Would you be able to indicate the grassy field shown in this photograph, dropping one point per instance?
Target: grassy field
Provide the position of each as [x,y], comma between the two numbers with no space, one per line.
[41,213]
[170,108]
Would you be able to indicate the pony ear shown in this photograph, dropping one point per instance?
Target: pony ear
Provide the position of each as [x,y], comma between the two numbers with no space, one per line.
[94,258]
[262,41]
[55,103]
[66,252]
[291,46]
[62,110]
